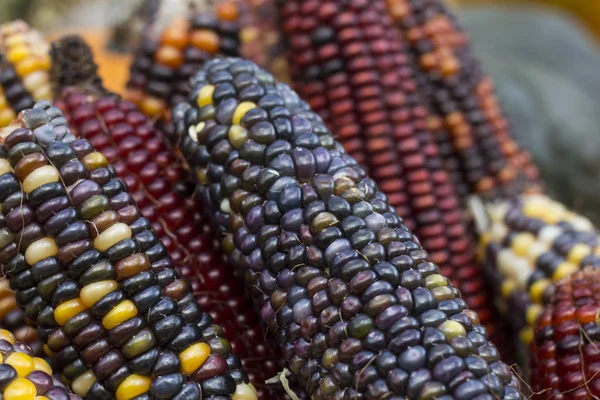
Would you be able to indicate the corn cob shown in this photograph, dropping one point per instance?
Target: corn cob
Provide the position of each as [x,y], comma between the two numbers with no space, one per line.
[491,162]
[24,66]
[356,304]
[166,60]
[94,277]
[26,377]
[530,244]
[348,63]
[157,182]
[566,351]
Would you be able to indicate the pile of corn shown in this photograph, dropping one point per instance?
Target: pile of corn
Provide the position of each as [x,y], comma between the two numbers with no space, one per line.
[216,235]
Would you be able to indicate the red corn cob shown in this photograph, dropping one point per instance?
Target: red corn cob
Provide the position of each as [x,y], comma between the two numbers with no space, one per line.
[565,361]
[157,181]
[349,64]
[491,163]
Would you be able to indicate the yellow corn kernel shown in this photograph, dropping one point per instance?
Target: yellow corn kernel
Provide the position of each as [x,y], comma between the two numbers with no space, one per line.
[597,251]
[111,236]
[508,286]
[526,335]
[549,233]
[17,54]
[578,252]
[5,167]
[95,160]
[535,206]
[8,336]
[532,313]
[43,62]
[238,135]
[21,362]
[241,110]
[497,212]
[498,232]
[536,292]
[40,249]
[124,311]
[452,329]
[435,280]
[83,383]
[39,177]
[7,115]
[43,92]
[133,386]
[26,66]
[67,310]
[245,391]
[151,106]
[193,357]
[521,243]
[92,293]
[564,270]
[205,95]
[20,389]
[535,251]
[41,365]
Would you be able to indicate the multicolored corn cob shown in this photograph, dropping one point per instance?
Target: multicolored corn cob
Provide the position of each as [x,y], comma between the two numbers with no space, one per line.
[95,278]
[24,66]
[166,60]
[357,306]
[349,64]
[157,181]
[565,362]
[480,141]
[531,243]
[26,377]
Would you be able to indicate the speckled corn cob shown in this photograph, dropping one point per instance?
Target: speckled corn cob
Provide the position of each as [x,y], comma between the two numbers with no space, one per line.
[531,243]
[93,275]
[565,361]
[24,66]
[157,181]
[490,161]
[25,377]
[348,63]
[166,60]
[357,306]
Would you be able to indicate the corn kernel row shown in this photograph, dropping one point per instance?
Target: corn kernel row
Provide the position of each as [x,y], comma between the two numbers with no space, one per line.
[157,181]
[24,67]
[531,243]
[165,61]
[565,353]
[26,377]
[96,279]
[490,160]
[348,64]
[357,306]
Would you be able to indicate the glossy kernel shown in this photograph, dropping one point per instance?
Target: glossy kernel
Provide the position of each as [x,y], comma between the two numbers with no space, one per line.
[241,110]
[20,389]
[133,386]
[193,357]
[111,236]
[124,311]
[83,383]
[92,293]
[67,310]
[205,96]
[40,250]
[7,335]
[21,362]
[39,177]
